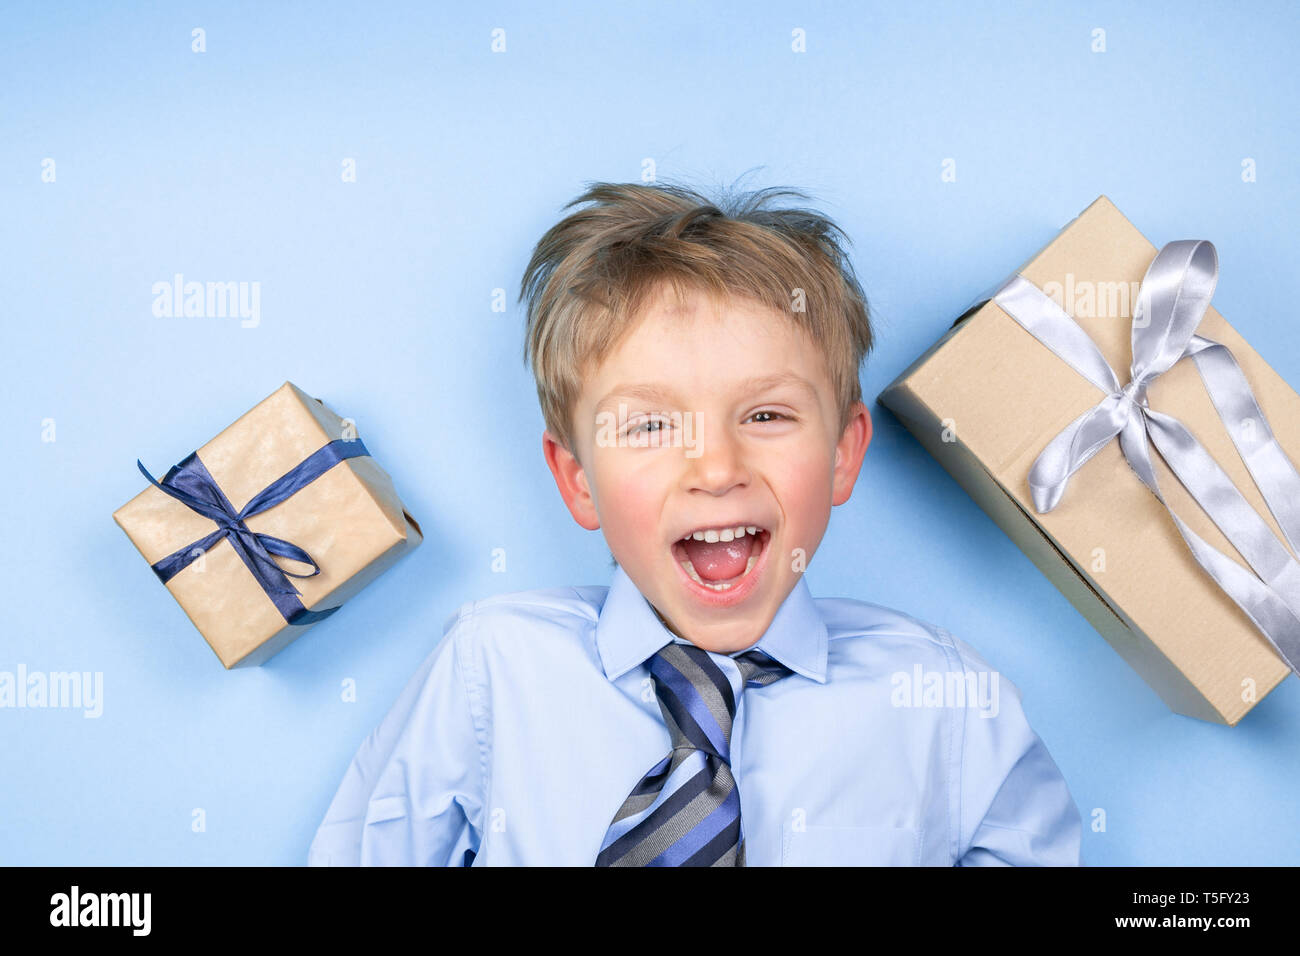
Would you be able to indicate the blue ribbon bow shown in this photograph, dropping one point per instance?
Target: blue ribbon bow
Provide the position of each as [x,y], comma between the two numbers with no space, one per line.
[191,484]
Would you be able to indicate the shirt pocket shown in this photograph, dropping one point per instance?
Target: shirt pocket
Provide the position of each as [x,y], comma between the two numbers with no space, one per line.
[850,846]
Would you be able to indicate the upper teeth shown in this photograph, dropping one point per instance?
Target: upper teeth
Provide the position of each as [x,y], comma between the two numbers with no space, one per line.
[713,535]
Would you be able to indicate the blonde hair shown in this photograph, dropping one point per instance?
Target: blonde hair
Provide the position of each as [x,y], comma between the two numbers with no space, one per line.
[592,273]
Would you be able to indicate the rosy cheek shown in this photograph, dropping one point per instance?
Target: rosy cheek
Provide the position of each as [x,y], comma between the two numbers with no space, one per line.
[805,499]
[628,509]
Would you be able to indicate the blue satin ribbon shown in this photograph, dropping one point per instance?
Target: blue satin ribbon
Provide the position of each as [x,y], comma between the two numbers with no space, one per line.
[190,483]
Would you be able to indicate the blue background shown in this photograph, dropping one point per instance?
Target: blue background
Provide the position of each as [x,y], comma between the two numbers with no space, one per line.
[377,296]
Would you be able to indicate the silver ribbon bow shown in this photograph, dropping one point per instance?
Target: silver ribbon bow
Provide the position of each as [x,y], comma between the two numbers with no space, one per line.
[1173,297]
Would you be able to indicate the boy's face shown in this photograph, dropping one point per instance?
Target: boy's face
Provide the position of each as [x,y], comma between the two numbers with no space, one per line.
[701,443]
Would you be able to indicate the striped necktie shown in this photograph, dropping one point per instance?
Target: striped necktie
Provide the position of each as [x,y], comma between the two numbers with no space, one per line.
[686,810]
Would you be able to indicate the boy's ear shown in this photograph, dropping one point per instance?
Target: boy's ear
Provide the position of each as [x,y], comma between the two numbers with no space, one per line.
[848,453]
[571,479]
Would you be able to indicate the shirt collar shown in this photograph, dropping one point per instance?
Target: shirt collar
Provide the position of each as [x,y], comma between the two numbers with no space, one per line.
[629,631]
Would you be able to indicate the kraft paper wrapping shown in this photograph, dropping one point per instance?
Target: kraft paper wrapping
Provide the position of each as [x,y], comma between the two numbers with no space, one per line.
[1109,546]
[350,520]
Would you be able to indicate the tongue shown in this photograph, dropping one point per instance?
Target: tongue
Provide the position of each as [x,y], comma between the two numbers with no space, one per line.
[721,560]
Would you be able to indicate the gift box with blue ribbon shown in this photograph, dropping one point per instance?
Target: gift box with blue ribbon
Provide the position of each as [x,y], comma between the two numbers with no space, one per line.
[1137,449]
[270,527]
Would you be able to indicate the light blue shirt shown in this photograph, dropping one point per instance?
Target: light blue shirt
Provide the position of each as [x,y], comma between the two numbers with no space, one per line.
[534,716]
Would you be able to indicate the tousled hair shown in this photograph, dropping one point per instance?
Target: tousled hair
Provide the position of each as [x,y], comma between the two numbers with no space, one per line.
[592,274]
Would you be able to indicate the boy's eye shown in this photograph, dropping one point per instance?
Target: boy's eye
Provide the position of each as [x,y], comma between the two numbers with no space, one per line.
[643,428]
[647,427]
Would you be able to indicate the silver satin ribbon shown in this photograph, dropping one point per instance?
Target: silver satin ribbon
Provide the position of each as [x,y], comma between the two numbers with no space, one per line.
[1173,297]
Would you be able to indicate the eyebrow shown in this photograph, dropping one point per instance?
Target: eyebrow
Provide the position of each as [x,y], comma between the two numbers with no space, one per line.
[653,392]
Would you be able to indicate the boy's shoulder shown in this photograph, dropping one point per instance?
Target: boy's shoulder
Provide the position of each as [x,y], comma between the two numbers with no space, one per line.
[852,621]
[561,608]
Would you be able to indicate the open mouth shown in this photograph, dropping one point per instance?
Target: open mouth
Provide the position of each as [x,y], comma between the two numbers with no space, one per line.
[721,560]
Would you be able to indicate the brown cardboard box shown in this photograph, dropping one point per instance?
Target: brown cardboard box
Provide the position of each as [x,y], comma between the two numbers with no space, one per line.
[349,520]
[988,397]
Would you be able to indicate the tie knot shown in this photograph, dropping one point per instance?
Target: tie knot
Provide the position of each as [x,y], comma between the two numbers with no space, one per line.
[699,691]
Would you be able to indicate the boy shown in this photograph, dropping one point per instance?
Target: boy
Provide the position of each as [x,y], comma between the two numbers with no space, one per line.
[697,368]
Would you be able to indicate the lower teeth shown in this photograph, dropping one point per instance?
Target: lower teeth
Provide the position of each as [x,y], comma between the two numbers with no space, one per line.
[720,586]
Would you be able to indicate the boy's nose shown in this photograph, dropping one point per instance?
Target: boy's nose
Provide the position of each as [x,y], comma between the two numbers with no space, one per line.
[719,466]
